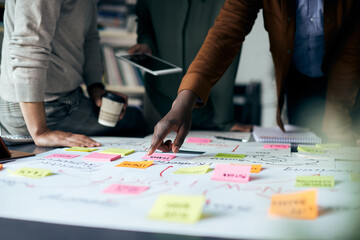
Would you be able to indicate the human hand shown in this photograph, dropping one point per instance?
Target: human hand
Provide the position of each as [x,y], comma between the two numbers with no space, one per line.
[241,128]
[178,119]
[140,48]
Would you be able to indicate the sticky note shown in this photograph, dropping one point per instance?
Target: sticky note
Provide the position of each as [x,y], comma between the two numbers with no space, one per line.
[177,208]
[230,155]
[193,170]
[125,189]
[300,205]
[315,181]
[276,146]
[102,157]
[328,145]
[198,140]
[255,168]
[355,177]
[159,157]
[118,151]
[312,150]
[232,173]
[81,149]
[64,156]
[31,172]
[1,166]
[139,164]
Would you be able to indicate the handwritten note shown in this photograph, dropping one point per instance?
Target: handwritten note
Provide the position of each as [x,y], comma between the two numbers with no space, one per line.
[139,164]
[64,156]
[177,208]
[125,189]
[315,181]
[81,149]
[312,150]
[255,168]
[159,157]
[355,177]
[193,170]
[232,173]
[102,157]
[301,205]
[31,172]
[276,146]
[230,155]
[119,151]
[198,140]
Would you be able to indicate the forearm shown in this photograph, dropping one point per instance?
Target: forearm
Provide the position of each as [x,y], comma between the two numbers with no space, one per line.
[34,116]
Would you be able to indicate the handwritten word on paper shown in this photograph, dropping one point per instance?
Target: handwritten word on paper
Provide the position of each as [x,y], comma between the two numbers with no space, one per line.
[255,168]
[125,189]
[139,164]
[276,146]
[64,156]
[230,155]
[81,149]
[355,177]
[159,157]
[119,151]
[193,170]
[301,205]
[198,140]
[102,157]
[312,150]
[31,172]
[315,181]
[177,208]
[232,173]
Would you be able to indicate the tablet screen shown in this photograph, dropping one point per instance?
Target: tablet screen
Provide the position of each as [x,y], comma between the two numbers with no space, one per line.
[148,62]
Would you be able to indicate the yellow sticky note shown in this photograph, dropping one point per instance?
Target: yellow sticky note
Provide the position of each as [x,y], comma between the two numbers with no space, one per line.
[328,145]
[355,177]
[255,168]
[139,164]
[312,150]
[300,205]
[230,155]
[315,181]
[81,149]
[178,208]
[119,151]
[31,172]
[193,170]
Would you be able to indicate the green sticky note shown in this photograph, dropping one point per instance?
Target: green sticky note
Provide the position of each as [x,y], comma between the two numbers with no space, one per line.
[31,172]
[312,150]
[193,170]
[178,208]
[119,151]
[355,177]
[81,149]
[315,181]
[230,155]
[329,145]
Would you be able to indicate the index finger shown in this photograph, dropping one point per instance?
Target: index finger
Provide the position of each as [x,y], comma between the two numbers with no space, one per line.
[159,136]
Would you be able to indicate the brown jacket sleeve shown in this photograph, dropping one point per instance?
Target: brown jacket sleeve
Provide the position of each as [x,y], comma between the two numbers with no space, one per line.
[221,46]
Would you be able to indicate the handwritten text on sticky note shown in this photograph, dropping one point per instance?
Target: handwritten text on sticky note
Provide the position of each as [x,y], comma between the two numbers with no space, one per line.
[301,205]
[193,170]
[178,208]
[122,152]
[276,146]
[198,140]
[312,150]
[139,164]
[64,156]
[232,173]
[230,155]
[159,157]
[315,181]
[31,172]
[81,149]
[125,189]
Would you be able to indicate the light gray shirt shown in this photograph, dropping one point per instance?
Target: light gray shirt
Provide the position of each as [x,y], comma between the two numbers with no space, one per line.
[50,47]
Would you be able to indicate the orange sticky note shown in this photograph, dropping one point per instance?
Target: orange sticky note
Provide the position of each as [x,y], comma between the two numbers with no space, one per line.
[1,166]
[255,168]
[140,164]
[300,205]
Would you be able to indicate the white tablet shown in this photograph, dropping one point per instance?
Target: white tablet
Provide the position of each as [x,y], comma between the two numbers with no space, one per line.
[150,64]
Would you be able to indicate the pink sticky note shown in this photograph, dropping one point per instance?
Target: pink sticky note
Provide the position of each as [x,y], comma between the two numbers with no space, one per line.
[104,157]
[125,189]
[232,173]
[198,140]
[276,146]
[159,157]
[61,155]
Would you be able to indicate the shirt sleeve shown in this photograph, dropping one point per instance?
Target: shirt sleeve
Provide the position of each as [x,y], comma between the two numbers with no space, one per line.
[30,46]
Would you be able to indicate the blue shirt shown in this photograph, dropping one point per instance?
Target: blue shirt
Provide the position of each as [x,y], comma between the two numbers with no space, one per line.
[309,37]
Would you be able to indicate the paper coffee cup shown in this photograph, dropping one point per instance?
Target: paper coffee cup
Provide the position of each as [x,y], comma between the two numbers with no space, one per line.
[110,110]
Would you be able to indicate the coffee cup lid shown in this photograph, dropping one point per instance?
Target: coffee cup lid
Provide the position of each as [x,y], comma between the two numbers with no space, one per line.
[114,97]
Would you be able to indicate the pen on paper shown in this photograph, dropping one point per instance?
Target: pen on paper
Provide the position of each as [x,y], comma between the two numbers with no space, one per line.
[231,139]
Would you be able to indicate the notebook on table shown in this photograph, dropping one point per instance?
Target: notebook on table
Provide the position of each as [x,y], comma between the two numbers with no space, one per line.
[292,134]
